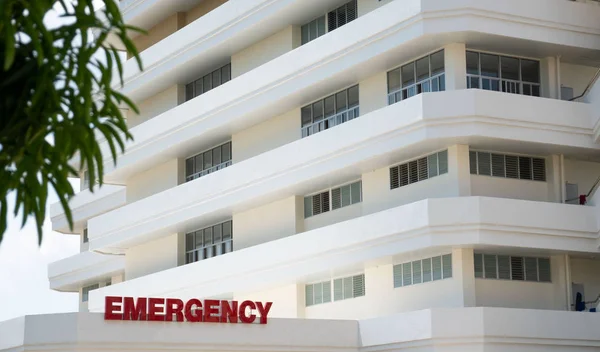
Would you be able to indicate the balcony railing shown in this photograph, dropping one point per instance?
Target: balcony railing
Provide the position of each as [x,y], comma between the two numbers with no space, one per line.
[436,83]
[503,85]
[207,171]
[331,121]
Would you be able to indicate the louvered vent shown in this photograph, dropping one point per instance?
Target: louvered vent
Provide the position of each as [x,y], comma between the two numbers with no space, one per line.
[516,268]
[403,174]
[352,12]
[478,262]
[447,266]
[544,270]
[512,166]
[432,164]
[416,266]
[443,162]
[473,162]
[309,295]
[326,291]
[336,198]
[531,269]
[422,165]
[358,288]
[524,168]
[489,264]
[325,200]
[539,169]
[413,171]
[317,204]
[406,274]
[394,177]
[484,163]
[498,165]
[398,275]
[427,270]
[436,262]
[504,267]
[338,289]
[332,21]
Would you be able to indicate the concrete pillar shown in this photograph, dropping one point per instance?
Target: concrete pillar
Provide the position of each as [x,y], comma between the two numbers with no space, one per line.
[554,179]
[463,271]
[548,78]
[372,93]
[455,66]
[458,169]
[288,301]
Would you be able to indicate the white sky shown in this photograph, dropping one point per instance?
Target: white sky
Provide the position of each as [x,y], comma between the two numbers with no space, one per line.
[24,286]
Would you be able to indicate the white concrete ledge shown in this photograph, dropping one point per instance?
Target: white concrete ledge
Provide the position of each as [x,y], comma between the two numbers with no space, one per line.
[85,205]
[71,273]
[460,222]
[445,330]
[372,141]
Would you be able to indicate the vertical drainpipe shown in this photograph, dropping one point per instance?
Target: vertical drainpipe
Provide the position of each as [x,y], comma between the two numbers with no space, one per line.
[568,280]
[558,82]
[563,181]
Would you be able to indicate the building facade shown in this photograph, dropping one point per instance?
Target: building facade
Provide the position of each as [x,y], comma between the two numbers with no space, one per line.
[396,173]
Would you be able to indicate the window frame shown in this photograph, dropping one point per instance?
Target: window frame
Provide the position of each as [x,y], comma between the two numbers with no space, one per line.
[510,267]
[337,118]
[188,251]
[425,156]
[327,25]
[521,83]
[529,156]
[224,164]
[397,95]
[331,282]
[400,267]
[202,77]
[329,190]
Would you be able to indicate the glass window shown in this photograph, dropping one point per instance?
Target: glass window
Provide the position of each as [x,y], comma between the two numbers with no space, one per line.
[423,68]
[408,74]
[394,80]
[437,63]
[510,68]
[306,114]
[353,96]
[317,110]
[490,65]
[530,71]
[209,242]
[340,102]
[472,63]
[344,103]
[197,166]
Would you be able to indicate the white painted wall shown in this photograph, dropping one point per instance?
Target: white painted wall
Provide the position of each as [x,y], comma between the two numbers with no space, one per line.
[522,294]
[153,181]
[332,217]
[366,6]
[372,93]
[509,188]
[266,136]
[202,9]
[152,257]
[265,50]
[586,272]
[288,300]
[267,223]
[156,105]
[576,77]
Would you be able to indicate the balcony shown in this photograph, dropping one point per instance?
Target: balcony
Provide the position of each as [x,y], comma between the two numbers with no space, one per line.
[387,36]
[374,140]
[71,273]
[86,205]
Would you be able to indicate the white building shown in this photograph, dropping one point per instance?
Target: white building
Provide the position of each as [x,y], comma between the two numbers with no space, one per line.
[363,165]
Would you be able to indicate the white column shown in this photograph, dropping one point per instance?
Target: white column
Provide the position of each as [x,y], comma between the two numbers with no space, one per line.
[463,271]
[548,78]
[458,169]
[455,66]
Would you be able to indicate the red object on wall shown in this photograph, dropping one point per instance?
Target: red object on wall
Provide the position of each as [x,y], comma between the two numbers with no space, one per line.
[582,199]
[194,310]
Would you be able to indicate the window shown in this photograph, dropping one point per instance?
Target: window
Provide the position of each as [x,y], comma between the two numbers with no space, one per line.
[507,166]
[418,170]
[86,180]
[503,73]
[207,162]
[423,75]
[208,82]
[85,235]
[209,242]
[343,288]
[331,111]
[334,19]
[349,287]
[505,267]
[85,292]
[333,199]
[318,293]
[423,270]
